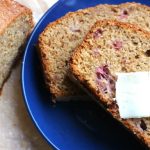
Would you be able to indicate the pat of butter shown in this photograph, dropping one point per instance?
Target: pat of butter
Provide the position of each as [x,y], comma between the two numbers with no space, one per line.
[133,94]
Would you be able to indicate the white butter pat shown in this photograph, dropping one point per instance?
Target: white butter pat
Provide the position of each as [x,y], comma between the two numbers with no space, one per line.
[133,94]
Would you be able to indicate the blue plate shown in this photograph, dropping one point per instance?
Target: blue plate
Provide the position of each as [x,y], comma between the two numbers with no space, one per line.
[72,125]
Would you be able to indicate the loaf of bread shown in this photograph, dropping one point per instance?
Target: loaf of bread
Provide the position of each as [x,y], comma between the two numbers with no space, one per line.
[61,37]
[111,47]
[15,25]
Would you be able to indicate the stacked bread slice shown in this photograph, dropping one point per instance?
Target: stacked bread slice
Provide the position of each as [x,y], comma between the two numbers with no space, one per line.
[60,38]
[83,44]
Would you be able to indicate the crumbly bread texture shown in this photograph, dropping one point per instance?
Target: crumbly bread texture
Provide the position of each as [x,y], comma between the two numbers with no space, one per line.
[61,37]
[117,47]
[15,25]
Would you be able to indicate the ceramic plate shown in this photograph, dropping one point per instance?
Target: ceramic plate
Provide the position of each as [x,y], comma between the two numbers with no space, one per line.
[73,125]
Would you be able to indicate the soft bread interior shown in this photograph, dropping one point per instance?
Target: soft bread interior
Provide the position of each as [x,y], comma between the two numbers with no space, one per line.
[12,38]
[111,47]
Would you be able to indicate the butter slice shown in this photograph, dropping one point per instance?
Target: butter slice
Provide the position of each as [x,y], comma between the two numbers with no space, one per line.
[133,94]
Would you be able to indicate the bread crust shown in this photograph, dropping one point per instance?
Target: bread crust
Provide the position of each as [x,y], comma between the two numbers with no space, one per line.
[9,12]
[13,11]
[47,66]
[109,105]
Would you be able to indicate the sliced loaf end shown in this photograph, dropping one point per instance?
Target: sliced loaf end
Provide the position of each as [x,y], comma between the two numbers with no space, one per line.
[61,37]
[15,25]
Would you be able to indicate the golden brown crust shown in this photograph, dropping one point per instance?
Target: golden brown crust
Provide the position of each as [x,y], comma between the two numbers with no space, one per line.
[43,50]
[9,12]
[45,63]
[108,104]
[13,10]
[129,125]
[47,66]
[134,3]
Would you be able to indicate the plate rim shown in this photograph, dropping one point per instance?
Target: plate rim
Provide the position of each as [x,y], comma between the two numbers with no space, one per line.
[23,75]
[23,86]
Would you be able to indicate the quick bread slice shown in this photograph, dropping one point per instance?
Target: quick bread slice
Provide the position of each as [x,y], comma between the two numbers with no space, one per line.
[60,38]
[56,44]
[119,47]
[15,24]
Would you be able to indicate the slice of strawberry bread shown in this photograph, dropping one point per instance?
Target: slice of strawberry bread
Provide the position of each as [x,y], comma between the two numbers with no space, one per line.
[60,38]
[111,47]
